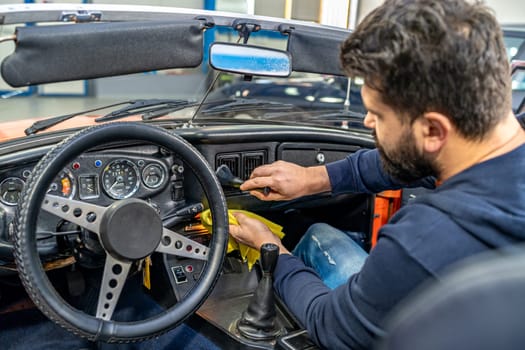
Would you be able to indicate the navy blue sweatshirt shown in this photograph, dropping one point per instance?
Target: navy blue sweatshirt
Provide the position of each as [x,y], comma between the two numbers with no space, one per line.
[480,208]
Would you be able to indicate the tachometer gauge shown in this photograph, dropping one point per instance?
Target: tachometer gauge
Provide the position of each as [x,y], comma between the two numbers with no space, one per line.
[10,190]
[63,185]
[120,179]
[153,175]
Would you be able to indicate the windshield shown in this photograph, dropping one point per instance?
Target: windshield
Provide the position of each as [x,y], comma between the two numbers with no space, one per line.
[303,96]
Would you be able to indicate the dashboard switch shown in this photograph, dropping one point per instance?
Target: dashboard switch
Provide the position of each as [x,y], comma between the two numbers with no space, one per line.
[177,193]
[178,273]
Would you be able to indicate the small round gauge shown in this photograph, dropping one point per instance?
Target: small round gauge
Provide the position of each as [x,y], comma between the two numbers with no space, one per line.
[63,185]
[10,190]
[120,179]
[153,175]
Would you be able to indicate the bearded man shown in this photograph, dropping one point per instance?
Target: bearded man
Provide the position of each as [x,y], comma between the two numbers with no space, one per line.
[438,95]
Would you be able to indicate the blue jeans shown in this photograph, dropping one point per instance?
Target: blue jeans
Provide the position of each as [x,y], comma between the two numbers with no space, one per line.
[332,253]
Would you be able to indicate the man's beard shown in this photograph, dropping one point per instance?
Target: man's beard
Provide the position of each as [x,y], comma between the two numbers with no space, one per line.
[406,163]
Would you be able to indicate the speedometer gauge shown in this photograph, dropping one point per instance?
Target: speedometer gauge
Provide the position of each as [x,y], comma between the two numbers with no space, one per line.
[120,179]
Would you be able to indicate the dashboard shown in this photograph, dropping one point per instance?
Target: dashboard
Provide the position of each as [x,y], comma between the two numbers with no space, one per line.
[135,170]
[74,257]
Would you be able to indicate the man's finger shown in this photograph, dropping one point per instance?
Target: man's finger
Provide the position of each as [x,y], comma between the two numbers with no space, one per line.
[258,182]
[258,195]
[263,170]
[240,217]
[234,230]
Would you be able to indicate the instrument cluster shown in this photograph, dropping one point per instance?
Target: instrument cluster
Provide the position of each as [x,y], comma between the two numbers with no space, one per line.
[95,177]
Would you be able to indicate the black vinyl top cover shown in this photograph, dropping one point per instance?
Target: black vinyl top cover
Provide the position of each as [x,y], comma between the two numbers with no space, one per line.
[53,53]
[316,52]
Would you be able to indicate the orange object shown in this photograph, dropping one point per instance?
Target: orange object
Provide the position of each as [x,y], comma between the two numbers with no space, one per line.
[385,205]
[15,128]
[66,187]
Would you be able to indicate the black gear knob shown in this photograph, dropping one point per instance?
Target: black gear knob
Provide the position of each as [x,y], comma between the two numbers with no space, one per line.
[258,321]
[269,255]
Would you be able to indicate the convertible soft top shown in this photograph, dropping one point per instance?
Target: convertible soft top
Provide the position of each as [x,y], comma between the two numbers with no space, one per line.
[53,53]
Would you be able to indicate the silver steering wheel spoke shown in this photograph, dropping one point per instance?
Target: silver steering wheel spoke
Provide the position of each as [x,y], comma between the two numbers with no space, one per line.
[113,280]
[81,213]
[176,244]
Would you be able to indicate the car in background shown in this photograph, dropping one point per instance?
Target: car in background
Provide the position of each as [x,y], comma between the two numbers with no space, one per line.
[518,86]
[306,93]
[514,38]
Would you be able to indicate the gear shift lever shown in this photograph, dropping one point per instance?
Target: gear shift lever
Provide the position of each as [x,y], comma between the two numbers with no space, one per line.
[258,320]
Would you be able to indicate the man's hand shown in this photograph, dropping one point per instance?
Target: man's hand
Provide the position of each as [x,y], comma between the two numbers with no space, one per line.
[254,233]
[286,181]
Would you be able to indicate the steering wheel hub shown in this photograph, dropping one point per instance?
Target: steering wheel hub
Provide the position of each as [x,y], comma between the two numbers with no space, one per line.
[130,229]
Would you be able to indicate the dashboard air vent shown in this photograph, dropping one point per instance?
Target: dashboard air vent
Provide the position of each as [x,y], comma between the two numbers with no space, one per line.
[231,160]
[250,161]
[241,163]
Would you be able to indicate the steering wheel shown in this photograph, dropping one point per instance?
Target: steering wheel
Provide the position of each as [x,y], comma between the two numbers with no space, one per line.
[128,229]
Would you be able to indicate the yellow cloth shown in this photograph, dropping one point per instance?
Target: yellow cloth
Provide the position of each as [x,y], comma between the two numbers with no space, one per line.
[248,254]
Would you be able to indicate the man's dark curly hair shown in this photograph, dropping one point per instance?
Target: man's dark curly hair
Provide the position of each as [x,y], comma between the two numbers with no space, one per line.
[444,56]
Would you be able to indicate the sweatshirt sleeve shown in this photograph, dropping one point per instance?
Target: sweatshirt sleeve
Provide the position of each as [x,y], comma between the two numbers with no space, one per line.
[362,172]
[350,316]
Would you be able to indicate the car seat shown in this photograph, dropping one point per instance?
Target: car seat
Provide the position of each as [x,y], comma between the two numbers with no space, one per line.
[479,305]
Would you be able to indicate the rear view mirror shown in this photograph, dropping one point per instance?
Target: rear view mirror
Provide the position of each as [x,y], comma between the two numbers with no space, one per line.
[250,60]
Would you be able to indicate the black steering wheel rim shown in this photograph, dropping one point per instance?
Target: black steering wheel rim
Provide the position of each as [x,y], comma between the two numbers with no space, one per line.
[32,274]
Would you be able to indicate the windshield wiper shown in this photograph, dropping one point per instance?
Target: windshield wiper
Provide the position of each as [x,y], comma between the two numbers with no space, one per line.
[150,109]
[47,123]
[246,105]
[318,114]
[339,114]
[345,119]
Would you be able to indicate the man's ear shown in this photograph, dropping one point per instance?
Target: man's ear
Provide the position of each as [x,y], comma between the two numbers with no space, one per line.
[435,129]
